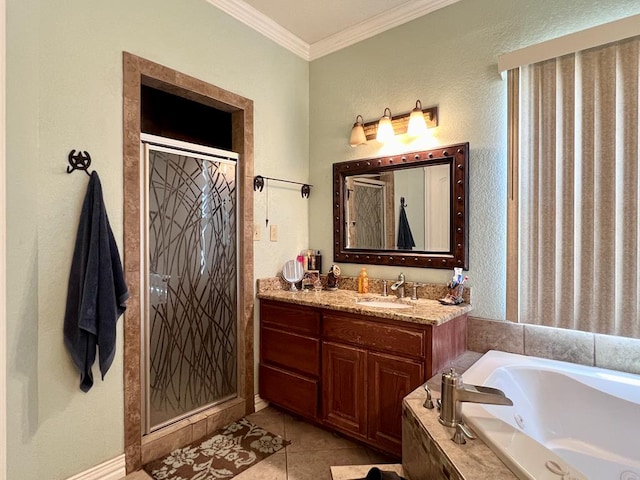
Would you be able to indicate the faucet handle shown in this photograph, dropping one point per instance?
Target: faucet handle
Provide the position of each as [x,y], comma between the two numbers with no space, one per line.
[462,431]
[428,403]
[385,293]
[467,431]
[414,290]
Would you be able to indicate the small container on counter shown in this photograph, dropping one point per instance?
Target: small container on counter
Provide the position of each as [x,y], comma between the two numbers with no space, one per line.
[363,281]
[312,260]
[332,277]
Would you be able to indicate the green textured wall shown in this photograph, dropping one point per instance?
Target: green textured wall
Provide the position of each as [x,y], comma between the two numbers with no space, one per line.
[447,58]
[64,91]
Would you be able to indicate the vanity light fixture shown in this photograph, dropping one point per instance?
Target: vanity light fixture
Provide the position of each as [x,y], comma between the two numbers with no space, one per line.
[358,136]
[417,125]
[385,129]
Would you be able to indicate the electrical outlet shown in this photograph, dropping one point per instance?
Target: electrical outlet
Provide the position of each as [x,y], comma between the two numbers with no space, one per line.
[273,233]
[256,233]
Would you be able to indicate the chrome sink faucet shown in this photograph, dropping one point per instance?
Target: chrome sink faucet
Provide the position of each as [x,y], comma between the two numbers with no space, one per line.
[454,392]
[398,287]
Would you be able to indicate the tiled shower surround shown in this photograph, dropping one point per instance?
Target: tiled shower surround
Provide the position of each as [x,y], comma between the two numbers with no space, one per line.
[138,71]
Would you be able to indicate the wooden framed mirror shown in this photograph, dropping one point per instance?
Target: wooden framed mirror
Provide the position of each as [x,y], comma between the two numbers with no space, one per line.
[406,210]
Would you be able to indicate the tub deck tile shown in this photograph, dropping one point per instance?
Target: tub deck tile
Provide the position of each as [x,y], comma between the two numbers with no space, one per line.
[472,461]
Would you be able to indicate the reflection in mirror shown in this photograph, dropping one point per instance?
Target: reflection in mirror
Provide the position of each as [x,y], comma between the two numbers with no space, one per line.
[437,208]
[405,210]
[415,201]
[367,211]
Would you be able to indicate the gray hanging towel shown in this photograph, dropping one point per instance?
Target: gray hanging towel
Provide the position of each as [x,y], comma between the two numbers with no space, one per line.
[405,238]
[97,290]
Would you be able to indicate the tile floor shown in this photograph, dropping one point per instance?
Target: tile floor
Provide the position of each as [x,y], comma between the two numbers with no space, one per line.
[309,456]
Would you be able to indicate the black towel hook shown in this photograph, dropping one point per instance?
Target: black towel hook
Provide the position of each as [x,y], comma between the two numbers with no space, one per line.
[402,203]
[79,161]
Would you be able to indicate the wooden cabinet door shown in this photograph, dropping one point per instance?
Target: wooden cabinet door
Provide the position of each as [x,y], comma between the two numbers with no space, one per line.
[390,379]
[343,388]
[289,390]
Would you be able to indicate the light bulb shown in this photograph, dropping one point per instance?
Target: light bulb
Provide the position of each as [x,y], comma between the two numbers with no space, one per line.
[417,125]
[358,136]
[385,129]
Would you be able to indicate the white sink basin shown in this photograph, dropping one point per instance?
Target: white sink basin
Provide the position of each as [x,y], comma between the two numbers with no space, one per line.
[382,304]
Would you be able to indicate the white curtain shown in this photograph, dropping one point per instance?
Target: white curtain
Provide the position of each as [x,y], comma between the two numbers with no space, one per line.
[579,225]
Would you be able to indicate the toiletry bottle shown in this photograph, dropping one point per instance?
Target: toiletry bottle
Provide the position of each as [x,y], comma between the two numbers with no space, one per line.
[363,281]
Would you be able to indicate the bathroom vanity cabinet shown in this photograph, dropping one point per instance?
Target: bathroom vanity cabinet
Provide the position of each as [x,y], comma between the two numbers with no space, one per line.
[368,366]
[348,371]
[290,357]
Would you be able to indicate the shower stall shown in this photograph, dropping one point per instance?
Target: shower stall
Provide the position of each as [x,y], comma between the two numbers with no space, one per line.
[190,280]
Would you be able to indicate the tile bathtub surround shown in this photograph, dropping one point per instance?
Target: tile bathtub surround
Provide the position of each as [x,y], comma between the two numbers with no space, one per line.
[459,364]
[429,452]
[604,351]
[484,335]
[618,353]
[559,344]
[429,448]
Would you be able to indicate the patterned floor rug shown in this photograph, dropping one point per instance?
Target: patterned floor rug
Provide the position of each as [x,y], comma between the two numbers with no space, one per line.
[225,454]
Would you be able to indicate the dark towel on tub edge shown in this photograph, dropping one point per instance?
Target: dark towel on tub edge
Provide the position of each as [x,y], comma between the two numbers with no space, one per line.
[97,291]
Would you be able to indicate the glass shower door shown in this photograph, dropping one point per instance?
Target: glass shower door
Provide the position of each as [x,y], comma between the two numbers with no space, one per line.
[191,308]
[367,219]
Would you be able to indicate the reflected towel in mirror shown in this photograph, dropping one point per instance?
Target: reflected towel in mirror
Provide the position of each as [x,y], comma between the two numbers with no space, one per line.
[405,238]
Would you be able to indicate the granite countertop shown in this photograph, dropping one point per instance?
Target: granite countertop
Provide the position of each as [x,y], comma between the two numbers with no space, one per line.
[422,311]
[473,460]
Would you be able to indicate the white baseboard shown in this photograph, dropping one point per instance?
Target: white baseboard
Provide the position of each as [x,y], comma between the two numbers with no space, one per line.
[114,469]
[260,403]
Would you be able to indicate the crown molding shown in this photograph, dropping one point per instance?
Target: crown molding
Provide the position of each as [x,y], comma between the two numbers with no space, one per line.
[251,17]
[380,23]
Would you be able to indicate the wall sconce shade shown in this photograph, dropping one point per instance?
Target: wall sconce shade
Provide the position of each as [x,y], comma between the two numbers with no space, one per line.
[385,129]
[417,125]
[358,136]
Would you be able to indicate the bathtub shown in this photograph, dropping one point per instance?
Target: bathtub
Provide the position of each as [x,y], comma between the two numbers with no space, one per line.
[567,421]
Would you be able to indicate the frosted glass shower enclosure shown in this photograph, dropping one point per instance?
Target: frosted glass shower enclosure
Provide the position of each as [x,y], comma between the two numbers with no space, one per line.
[190,273]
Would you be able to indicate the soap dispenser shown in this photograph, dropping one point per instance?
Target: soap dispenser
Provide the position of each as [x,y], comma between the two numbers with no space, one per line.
[363,281]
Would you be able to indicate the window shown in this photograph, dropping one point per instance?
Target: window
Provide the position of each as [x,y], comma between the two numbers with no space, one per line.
[574,198]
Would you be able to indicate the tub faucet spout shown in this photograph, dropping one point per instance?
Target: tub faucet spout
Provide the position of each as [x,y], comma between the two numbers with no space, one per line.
[454,392]
[398,287]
